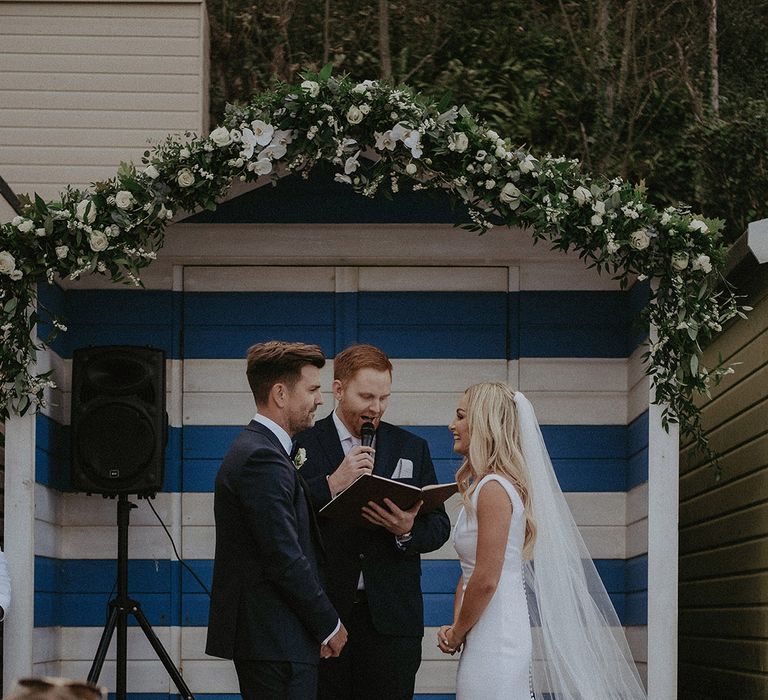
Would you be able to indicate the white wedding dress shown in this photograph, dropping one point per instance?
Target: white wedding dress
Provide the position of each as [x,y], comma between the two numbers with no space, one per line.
[496,658]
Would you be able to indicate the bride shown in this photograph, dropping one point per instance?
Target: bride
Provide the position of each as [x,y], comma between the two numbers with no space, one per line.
[531,615]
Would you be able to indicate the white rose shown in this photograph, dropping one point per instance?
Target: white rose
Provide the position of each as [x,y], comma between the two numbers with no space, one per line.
[98,241]
[15,275]
[680,260]
[311,88]
[458,142]
[599,207]
[26,226]
[596,220]
[151,171]
[185,178]
[582,195]
[184,153]
[365,108]
[639,240]
[510,195]
[81,214]
[62,251]
[40,232]
[490,184]
[698,225]
[124,199]
[411,168]
[354,115]
[7,262]
[221,137]
[17,220]
[702,262]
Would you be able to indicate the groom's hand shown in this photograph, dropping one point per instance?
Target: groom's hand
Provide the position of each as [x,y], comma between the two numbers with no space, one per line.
[335,644]
[359,461]
[396,521]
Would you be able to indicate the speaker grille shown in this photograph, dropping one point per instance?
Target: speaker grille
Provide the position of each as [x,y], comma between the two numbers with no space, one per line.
[119,425]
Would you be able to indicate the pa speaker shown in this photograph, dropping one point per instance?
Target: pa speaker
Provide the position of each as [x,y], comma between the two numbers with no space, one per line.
[118,421]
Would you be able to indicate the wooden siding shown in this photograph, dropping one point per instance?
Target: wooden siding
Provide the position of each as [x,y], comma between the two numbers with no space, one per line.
[84,86]
[724,529]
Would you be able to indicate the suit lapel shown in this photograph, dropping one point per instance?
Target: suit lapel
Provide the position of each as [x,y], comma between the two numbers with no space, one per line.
[387,451]
[328,437]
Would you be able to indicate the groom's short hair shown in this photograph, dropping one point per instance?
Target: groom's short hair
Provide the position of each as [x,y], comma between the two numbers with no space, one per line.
[356,357]
[278,361]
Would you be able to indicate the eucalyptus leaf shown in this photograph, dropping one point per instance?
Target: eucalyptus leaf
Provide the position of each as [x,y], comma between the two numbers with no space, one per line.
[694,364]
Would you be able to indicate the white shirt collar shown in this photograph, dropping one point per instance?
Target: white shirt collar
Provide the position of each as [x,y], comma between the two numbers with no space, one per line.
[342,429]
[279,432]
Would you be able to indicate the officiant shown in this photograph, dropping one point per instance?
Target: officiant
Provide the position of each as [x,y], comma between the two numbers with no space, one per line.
[373,574]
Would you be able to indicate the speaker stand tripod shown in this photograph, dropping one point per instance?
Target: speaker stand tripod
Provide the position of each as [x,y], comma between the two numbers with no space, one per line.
[120,607]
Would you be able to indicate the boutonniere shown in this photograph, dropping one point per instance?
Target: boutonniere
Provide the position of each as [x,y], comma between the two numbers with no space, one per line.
[299,458]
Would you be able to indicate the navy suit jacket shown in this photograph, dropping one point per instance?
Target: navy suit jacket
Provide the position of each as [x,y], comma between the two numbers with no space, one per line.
[392,576]
[267,602]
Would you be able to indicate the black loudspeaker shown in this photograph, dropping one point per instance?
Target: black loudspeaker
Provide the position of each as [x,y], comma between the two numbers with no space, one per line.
[118,423]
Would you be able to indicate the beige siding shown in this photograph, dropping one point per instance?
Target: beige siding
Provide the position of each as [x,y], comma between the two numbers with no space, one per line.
[724,529]
[86,85]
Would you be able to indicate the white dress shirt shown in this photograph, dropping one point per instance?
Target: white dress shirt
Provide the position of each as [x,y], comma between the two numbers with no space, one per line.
[5,586]
[285,440]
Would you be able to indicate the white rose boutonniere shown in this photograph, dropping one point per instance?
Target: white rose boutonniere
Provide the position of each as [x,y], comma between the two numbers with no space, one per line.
[299,458]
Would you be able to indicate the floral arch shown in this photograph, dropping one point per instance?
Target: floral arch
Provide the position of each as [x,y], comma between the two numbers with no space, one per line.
[375,137]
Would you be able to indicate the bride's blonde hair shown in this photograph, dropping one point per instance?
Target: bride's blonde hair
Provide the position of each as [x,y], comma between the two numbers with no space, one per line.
[494,448]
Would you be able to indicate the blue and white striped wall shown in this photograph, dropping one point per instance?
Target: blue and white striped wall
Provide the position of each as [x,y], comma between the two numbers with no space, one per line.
[547,327]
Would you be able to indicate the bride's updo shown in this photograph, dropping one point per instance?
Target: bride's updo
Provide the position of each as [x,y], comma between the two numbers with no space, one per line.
[494,448]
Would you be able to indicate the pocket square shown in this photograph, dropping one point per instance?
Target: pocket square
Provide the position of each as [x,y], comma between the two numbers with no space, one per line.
[403,470]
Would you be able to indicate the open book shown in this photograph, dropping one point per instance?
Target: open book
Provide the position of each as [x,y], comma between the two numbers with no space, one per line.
[347,504]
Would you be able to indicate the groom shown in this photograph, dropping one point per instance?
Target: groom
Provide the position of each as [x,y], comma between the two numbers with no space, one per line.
[268,610]
[373,575]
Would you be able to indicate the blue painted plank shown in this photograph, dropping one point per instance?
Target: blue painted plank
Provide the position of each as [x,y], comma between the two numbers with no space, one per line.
[569,340]
[415,309]
[637,469]
[90,609]
[258,309]
[636,574]
[346,315]
[433,341]
[585,458]
[637,434]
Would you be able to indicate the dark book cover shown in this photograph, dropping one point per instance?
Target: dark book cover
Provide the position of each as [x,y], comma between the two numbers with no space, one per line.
[347,504]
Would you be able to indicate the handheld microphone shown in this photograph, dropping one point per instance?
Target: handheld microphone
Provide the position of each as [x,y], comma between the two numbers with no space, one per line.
[367,431]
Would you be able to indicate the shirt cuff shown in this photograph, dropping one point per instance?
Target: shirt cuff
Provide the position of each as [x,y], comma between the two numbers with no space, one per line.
[333,634]
[402,540]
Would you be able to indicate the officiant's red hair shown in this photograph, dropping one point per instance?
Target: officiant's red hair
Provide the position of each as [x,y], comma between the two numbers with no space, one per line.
[356,357]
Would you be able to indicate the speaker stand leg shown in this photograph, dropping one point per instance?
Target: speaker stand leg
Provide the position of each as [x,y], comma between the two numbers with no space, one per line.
[122,606]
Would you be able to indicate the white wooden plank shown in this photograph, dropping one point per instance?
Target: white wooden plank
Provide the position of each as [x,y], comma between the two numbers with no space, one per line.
[98,46]
[79,509]
[133,141]
[258,279]
[573,374]
[87,118]
[637,538]
[211,676]
[47,505]
[101,26]
[80,643]
[109,64]
[47,543]
[45,641]
[45,155]
[96,83]
[142,676]
[100,542]
[445,376]
[637,637]
[567,274]
[153,9]
[197,509]
[121,101]
[571,408]
[437,676]
[199,542]
[444,279]
[637,503]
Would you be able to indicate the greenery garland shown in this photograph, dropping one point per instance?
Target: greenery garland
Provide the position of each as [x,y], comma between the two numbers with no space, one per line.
[376,137]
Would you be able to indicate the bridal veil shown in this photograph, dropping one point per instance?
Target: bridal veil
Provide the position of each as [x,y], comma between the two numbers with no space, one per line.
[579,648]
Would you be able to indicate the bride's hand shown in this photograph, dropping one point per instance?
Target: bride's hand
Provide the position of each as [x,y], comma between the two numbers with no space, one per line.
[446,640]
